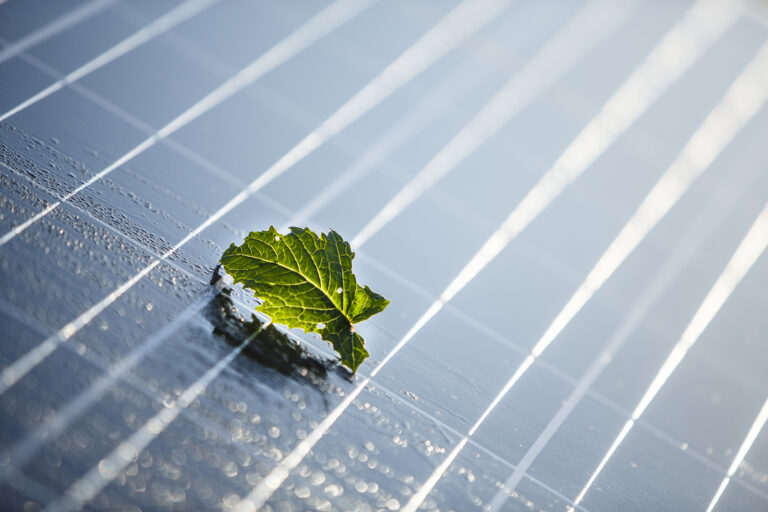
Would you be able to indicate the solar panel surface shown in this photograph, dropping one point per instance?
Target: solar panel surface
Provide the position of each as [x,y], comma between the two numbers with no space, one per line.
[564,202]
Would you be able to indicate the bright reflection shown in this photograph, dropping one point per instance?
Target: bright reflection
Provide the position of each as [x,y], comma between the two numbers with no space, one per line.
[747,253]
[450,32]
[25,449]
[164,23]
[757,426]
[53,28]
[259,495]
[326,21]
[587,28]
[703,24]
[110,467]
[686,249]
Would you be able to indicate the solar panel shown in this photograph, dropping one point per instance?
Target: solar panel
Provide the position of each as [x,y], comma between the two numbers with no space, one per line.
[565,203]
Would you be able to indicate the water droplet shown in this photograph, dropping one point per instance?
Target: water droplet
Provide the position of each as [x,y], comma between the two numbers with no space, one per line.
[318,478]
[333,490]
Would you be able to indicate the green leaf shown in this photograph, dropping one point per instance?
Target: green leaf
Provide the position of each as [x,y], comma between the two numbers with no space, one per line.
[306,281]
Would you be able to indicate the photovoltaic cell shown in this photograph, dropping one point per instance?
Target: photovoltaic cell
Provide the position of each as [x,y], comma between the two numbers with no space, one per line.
[116,388]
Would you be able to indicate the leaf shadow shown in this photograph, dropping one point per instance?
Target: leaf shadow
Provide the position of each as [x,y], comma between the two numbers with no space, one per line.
[270,347]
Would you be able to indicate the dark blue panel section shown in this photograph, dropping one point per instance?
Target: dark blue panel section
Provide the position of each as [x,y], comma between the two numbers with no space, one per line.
[112,337]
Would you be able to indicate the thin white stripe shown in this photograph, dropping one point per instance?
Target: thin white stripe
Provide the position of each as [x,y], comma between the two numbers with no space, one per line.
[757,426]
[131,380]
[110,467]
[452,30]
[20,453]
[659,59]
[25,449]
[135,122]
[414,121]
[132,120]
[613,120]
[264,490]
[747,253]
[56,26]
[327,20]
[403,131]
[419,496]
[686,248]
[162,24]
[334,15]
[740,103]
[703,24]
[444,36]
[42,354]
[616,442]
[270,483]
[587,28]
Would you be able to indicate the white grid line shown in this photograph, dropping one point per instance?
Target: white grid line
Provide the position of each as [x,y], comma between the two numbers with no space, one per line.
[704,23]
[22,451]
[25,484]
[370,157]
[419,66]
[327,19]
[477,325]
[166,22]
[739,104]
[195,51]
[56,26]
[587,28]
[110,467]
[439,40]
[416,58]
[261,493]
[443,37]
[483,328]
[137,384]
[378,154]
[654,431]
[180,43]
[661,68]
[686,248]
[746,254]
[757,426]
[223,173]
[317,27]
